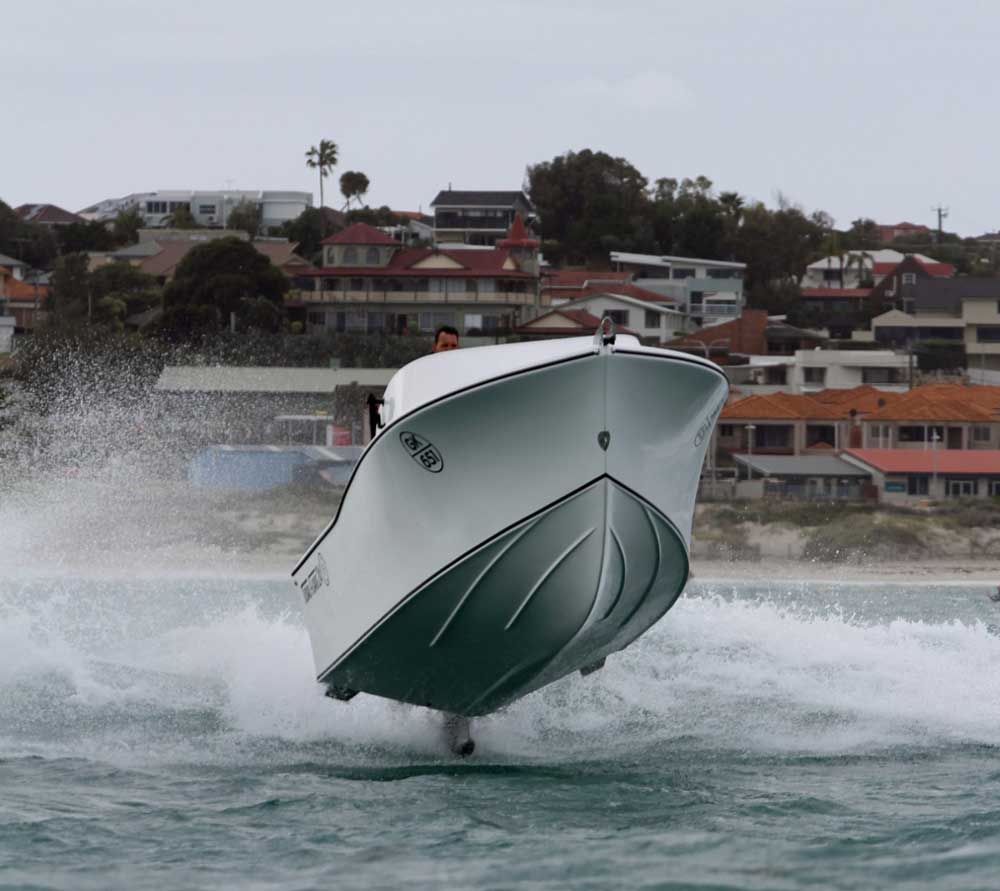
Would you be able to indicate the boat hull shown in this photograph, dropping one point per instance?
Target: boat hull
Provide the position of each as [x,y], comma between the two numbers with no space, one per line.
[495,540]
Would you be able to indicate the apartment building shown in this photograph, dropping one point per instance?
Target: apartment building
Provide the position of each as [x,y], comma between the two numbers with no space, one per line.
[477,218]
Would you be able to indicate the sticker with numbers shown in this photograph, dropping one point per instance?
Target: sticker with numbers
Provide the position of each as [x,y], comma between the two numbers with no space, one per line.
[421,451]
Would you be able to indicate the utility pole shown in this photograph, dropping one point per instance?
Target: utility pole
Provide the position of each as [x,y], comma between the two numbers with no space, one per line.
[942,214]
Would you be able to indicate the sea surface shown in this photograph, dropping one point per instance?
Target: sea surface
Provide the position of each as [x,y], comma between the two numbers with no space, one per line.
[160,733]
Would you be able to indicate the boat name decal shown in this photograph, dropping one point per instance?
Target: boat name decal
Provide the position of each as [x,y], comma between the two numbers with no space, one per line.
[318,575]
[708,423]
[422,451]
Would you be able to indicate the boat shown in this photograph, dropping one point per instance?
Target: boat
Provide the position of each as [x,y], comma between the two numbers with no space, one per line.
[522,512]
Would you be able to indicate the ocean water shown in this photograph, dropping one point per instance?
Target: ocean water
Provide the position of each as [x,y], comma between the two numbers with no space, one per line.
[167,733]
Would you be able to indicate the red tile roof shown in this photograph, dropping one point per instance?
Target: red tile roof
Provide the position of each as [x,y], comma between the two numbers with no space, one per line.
[779,406]
[47,215]
[579,278]
[863,400]
[473,264]
[929,460]
[360,233]
[937,270]
[943,402]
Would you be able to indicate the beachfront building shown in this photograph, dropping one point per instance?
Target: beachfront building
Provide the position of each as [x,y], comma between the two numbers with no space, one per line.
[707,291]
[800,477]
[811,371]
[902,476]
[943,416]
[477,218]
[368,283]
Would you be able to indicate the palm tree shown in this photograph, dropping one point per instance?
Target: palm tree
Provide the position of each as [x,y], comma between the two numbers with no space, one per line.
[856,258]
[323,158]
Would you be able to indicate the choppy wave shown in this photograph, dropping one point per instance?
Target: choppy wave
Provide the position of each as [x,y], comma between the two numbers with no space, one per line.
[209,671]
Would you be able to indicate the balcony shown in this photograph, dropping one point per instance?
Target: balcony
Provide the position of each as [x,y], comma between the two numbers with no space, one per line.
[493,298]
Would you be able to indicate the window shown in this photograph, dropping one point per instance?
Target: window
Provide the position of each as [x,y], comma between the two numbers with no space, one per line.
[980,434]
[317,318]
[681,273]
[960,488]
[618,316]
[652,318]
[723,273]
[921,434]
[726,430]
[357,284]
[372,257]
[916,485]
[431,321]
[882,375]
[995,488]
[814,375]
[988,333]
[356,321]
[206,209]
[772,437]
[350,256]
[909,278]
[998,306]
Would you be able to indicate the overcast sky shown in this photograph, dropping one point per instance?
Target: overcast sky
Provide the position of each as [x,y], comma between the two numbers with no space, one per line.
[857,108]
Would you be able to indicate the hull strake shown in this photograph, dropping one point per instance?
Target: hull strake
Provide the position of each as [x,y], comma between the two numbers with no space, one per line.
[558,592]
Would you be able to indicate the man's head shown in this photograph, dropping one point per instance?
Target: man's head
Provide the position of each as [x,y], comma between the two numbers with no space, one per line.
[445,338]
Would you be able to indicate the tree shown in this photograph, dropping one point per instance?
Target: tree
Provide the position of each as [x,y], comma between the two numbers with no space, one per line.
[86,236]
[587,200]
[182,218]
[306,230]
[246,217]
[69,298]
[126,226]
[29,242]
[353,184]
[322,158]
[219,280]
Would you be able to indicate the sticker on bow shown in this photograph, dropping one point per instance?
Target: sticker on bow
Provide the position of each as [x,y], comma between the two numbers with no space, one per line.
[422,451]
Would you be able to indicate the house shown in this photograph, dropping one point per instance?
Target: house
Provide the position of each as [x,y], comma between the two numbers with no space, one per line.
[898,286]
[645,313]
[865,269]
[963,310]
[903,476]
[810,371]
[368,282]
[23,301]
[793,424]
[709,291]
[560,286]
[840,310]
[753,333]
[564,321]
[48,215]
[209,208]
[889,233]
[952,416]
[413,227]
[17,269]
[477,218]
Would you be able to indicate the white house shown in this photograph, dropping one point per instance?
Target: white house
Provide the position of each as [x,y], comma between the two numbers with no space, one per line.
[856,269]
[710,291]
[209,208]
[661,320]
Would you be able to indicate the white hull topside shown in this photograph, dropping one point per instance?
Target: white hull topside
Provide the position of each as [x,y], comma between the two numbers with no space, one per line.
[525,511]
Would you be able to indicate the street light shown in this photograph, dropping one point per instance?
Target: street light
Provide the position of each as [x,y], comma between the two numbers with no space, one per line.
[934,441]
